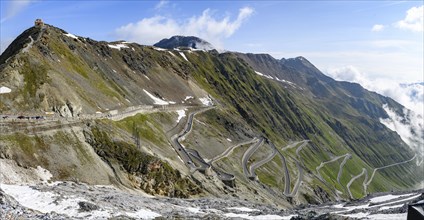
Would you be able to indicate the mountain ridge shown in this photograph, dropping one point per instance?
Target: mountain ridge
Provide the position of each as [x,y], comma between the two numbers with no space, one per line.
[184,42]
[284,101]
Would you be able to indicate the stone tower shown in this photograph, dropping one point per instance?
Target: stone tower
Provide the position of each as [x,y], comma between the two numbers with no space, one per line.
[38,23]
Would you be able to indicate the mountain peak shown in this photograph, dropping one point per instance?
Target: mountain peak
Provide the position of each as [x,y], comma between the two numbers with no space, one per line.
[28,38]
[299,60]
[23,39]
[184,41]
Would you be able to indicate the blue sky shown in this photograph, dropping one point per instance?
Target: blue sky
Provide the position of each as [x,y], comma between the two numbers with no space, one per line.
[349,40]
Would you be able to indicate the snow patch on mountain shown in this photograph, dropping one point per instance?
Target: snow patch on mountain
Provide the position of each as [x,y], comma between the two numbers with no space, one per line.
[12,173]
[207,101]
[264,75]
[259,73]
[156,100]
[159,49]
[44,202]
[277,79]
[188,97]
[286,81]
[71,35]
[387,198]
[171,53]
[143,214]
[388,216]
[254,217]
[181,114]
[358,215]
[390,207]
[48,202]
[4,89]
[117,46]
[183,55]
[243,209]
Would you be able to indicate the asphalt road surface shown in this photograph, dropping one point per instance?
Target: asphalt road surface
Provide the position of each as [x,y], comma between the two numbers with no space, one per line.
[260,163]
[246,156]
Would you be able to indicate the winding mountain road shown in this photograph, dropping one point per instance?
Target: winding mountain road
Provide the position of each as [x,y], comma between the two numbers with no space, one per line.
[191,153]
[364,186]
[230,150]
[205,167]
[179,148]
[286,171]
[352,180]
[299,179]
[294,144]
[299,165]
[326,162]
[246,156]
[305,142]
[339,174]
[364,171]
[187,155]
[259,163]
[250,172]
[379,168]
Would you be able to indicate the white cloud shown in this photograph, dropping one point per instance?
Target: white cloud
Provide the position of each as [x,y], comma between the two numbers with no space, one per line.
[347,73]
[413,20]
[410,128]
[206,26]
[409,95]
[14,7]
[148,30]
[404,66]
[377,27]
[161,4]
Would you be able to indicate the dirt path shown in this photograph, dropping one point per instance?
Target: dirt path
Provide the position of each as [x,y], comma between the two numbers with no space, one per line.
[379,168]
[327,162]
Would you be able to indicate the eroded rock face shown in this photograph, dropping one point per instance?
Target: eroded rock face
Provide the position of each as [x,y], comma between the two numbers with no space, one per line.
[63,111]
[68,110]
[145,172]
[322,194]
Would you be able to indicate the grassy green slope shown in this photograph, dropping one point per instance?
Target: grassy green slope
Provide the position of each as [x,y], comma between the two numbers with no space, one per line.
[337,117]
[282,113]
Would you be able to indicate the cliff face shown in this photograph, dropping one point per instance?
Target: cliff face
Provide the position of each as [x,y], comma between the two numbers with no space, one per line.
[280,130]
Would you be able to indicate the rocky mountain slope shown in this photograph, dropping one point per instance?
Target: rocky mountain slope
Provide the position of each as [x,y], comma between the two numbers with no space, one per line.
[69,200]
[193,123]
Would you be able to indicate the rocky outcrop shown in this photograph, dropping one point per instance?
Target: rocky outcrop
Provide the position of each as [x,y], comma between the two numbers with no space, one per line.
[145,172]
[68,110]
